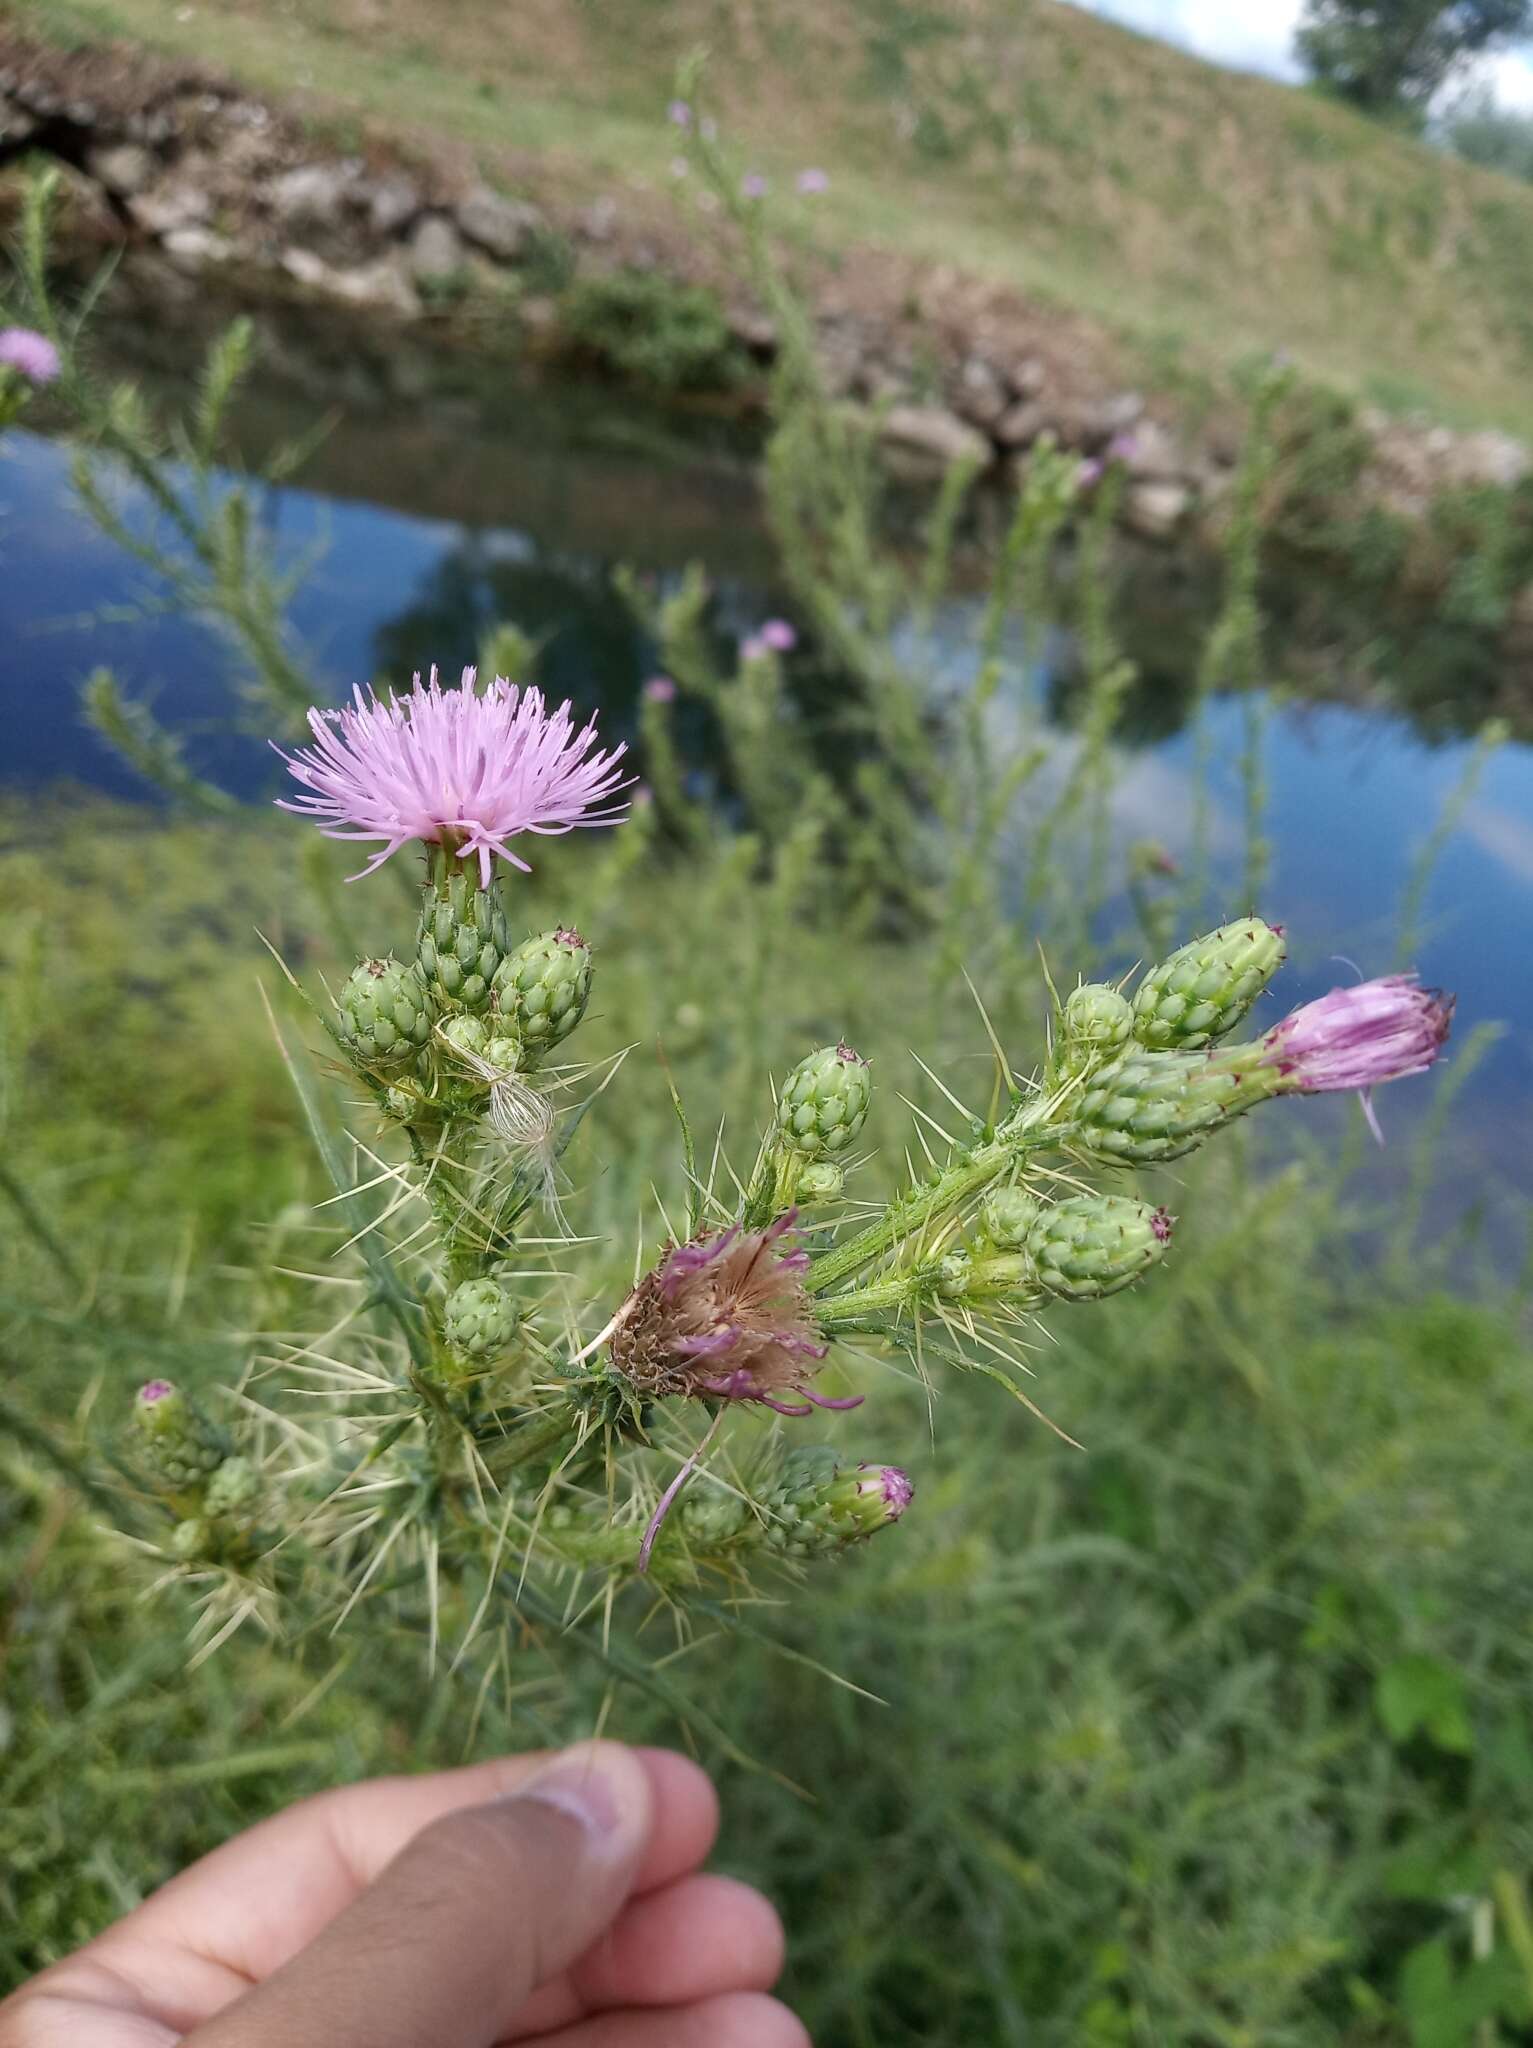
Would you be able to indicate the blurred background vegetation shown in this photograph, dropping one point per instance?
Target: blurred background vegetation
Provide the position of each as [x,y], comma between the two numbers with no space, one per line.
[1214,1732]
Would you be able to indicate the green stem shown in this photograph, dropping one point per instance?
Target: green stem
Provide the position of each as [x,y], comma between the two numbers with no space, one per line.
[911,1213]
[862,1301]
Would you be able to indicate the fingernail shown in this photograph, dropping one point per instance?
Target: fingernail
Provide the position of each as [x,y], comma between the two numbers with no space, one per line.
[598,1784]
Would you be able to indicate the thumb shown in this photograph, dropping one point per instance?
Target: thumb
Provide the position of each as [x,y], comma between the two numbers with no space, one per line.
[472,1915]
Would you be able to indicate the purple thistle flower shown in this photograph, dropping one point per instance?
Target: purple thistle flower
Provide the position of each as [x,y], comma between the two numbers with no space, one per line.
[33,355]
[894,1485]
[753,185]
[660,690]
[1357,1037]
[1090,474]
[154,1390]
[726,1318]
[679,114]
[812,182]
[779,636]
[455,768]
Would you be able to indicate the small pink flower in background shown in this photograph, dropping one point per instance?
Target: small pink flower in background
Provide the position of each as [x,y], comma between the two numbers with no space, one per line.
[679,114]
[812,181]
[1122,448]
[753,185]
[1357,1037]
[31,354]
[454,768]
[154,1390]
[779,636]
[753,648]
[1090,474]
[660,690]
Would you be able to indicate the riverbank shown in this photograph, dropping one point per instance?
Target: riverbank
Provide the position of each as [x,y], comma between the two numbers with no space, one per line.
[199,174]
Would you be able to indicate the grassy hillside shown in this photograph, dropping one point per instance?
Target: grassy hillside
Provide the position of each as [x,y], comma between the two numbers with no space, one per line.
[1200,214]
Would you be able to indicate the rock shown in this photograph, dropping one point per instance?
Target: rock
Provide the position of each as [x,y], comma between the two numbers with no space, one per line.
[314,194]
[394,202]
[1020,425]
[1116,415]
[981,394]
[381,284]
[1488,459]
[168,207]
[753,329]
[436,249]
[503,228]
[197,248]
[1028,377]
[1151,453]
[123,168]
[1156,510]
[16,124]
[598,222]
[933,434]
[538,313]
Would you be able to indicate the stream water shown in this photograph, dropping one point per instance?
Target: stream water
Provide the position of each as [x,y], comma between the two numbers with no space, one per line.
[444,499]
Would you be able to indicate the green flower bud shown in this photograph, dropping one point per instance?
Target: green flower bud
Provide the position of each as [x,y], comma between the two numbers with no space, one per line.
[181,1447]
[1207,987]
[466,1034]
[463,939]
[385,1014]
[1148,1107]
[821,1504]
[233,1486]
[480,1319]
[1097,1020]
[818,1181]
[711,1516]
[824,1102]
[1093,1245]
[1007,1216]
[542,989]
[190,1540]
[403,1104]
[965,1276]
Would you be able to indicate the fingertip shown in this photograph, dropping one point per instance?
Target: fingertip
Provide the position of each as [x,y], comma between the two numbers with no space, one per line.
[702,1937]
[750,2019]
[686,1816]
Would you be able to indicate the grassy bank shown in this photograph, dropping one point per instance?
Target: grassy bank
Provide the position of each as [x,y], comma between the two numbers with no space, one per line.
[1215,1732]
[1197,214]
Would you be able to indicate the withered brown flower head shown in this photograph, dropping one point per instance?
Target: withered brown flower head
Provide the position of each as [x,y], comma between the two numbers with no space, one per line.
[726,1318]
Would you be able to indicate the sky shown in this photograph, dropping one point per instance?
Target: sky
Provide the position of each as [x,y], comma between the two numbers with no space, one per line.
[1258,34]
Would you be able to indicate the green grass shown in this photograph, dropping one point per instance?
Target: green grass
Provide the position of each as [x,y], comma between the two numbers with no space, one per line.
[1200,1736]
[1032,144]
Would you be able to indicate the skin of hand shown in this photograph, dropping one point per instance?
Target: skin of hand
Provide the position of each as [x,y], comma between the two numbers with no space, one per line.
[552,1898]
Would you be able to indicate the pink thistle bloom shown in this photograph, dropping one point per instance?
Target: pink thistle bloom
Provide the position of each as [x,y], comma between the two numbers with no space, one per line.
[154,1390]
[812,182]
[660,690]
[33,355]
[466,771]
[753,648]
[894,1486]
[726,1318]
[753,185]
[679,114]
[1357,1037]
[1090,474]
[779,636]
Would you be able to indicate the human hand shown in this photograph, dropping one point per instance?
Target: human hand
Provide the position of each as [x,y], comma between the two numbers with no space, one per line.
[554,1898]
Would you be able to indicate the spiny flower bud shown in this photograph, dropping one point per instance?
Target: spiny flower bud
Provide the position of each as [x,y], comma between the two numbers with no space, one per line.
[1097,1020]
[385,1014]
[480,1319]
[233,1486]
[821,1504]
[1007,1216]
[1148,1107]
[818,1181]
[467,1034]
[712,1515]
[1207,986]
[824,1102]
[541,990]
[966,1276]
[182,1447]
[1093,1245]
[463,939]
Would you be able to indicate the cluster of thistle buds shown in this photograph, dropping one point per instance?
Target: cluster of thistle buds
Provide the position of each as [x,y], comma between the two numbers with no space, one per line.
[453,1039]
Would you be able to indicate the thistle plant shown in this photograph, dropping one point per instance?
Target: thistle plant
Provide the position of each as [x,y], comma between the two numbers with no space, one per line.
[506,1436]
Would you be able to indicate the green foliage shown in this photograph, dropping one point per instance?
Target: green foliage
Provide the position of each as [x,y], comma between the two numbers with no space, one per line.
[642,325]
[1393,56]
[1483,132]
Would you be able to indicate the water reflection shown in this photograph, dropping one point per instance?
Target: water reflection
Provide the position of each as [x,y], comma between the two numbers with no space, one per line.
[439,519]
